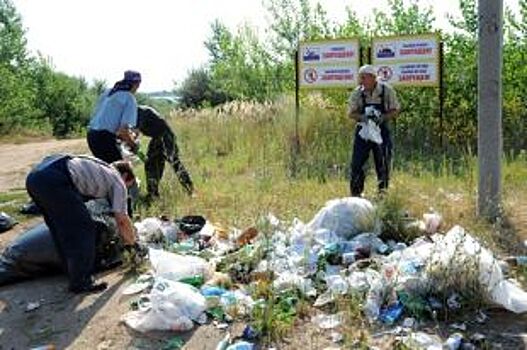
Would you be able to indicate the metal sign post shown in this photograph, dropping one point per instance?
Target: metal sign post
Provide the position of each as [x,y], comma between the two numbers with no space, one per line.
[441,94]
[296,142]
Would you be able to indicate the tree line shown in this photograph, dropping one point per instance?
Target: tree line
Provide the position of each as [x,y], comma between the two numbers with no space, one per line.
[247,65]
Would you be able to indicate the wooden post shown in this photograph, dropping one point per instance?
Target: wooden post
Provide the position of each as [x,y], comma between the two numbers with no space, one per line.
[490,144]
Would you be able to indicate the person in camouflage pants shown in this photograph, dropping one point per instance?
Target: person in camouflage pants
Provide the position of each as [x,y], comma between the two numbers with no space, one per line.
[162,147]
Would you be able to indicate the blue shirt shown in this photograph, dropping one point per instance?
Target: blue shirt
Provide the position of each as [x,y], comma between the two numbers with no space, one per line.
[114,112]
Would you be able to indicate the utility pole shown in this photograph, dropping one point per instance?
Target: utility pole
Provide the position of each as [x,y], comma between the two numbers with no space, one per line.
[490,144]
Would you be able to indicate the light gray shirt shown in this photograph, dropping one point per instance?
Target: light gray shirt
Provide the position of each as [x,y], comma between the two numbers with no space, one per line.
[390,98]
[114,112]
[97,179]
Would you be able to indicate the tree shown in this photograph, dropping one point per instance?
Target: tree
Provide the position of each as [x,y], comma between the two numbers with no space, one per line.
[241,66]
[64,101]
[197,90]
[16,92]
[13,51]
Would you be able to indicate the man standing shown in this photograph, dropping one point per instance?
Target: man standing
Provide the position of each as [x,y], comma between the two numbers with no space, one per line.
[162,147]
[113,119]
[372,101]
[59,186]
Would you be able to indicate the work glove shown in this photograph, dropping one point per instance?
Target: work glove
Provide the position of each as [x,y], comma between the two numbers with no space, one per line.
[137,253]
[137,248]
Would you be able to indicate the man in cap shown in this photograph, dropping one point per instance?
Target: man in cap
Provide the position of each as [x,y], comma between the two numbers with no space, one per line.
[114,117]
[59,185]
[162,147]
[373,100]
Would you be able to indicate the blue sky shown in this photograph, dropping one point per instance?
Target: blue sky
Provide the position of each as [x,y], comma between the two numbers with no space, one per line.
[163,39]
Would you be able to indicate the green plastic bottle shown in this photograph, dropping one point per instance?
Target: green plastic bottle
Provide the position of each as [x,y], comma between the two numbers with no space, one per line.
[196,280]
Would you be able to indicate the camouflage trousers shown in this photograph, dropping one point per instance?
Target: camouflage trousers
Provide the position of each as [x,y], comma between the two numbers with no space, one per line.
[160,150]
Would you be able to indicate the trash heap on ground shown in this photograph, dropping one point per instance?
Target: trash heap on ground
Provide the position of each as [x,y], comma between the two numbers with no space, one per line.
[201,271]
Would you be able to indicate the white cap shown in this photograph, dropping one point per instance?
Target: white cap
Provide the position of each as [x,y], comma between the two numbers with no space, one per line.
[367,69]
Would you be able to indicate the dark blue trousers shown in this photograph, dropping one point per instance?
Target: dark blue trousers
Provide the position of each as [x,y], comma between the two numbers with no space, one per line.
[103,145]
[68,219]
[382,155]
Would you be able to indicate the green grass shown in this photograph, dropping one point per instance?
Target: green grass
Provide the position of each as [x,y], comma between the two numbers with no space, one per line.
[241,165]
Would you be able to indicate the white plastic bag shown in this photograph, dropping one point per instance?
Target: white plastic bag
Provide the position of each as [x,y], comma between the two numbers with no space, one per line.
[175,267]
[371,132]
[498,289]
[346,217]
[149,230]
[173,307]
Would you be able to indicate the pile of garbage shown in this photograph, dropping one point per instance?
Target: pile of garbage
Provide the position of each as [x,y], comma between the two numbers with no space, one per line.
[201,271]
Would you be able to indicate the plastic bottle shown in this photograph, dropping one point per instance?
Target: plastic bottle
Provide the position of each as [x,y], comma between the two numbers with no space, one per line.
[210,291]
[249,333]
[372,306]
[196,280]
[392,313]
[517,260]
[222,345]
[454,341]
[242,345]
[348,258]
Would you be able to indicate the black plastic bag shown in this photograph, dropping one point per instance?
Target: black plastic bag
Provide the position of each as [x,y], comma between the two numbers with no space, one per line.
[191,224]
[33,253]
[6,222]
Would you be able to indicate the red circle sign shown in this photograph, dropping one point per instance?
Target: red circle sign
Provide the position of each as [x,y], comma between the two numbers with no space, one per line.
[384,73]
[310,75]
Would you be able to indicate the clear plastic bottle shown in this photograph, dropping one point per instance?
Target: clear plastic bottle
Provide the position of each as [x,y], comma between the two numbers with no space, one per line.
[372,306]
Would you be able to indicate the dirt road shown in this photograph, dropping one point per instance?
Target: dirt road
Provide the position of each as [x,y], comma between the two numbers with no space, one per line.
[61,319]
[17,159]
